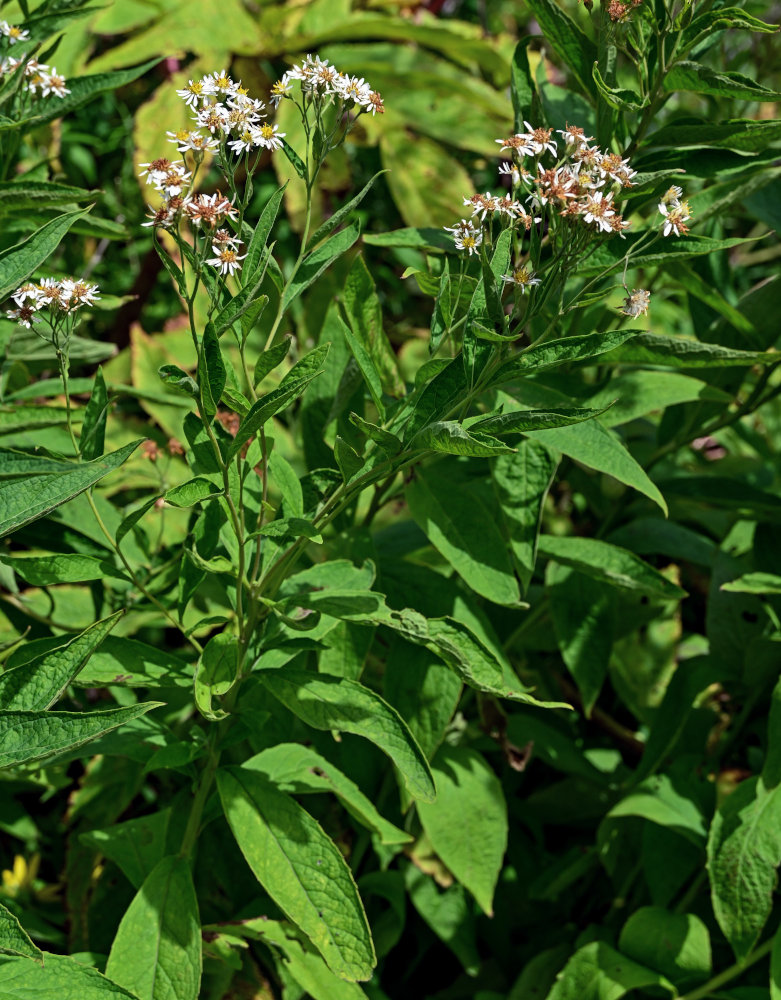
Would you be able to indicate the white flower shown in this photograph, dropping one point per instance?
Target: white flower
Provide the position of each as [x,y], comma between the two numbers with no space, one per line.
[245,141]
[166,214]
[79,293]
[574,137]
[465,236]
[226,260]
[53,83]
[672,196]
[27,293]
[212,117]
[281,88]
[675,218]
[268,136]
[51,293]
[210,209]
[636,303]
[509,169]
[522,278]
[518,143]
[540,139]
[223,238]
[598,209]
[13,33]
[251,106]
[192,93]
[218,83]
[185,140]
[24,315]
[351,88]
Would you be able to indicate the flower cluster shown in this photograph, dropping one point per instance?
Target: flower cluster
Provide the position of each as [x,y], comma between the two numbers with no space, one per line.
[225,116]
[57,296]
[675,211]
[319,79]
[38,76]
[13,33]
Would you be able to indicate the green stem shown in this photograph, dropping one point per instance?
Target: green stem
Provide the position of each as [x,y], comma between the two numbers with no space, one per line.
[199,802]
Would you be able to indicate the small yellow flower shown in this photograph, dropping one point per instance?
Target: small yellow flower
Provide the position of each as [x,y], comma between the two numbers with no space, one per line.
[21,877]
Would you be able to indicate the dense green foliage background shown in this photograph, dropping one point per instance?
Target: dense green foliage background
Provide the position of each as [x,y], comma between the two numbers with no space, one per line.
[589,668]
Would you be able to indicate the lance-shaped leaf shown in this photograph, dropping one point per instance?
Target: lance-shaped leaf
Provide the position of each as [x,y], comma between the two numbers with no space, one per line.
[677,352]
[341,213]
[364,314]
[519,421]
[290,388]
[260,236]
[268,360]
[300,770]
[577,52]
[300,867]
[693,76]
[328,703]
[216,673]
[14,939]
[18,262]
[65,567]
[36,686]
[211,371]
[26,737]
[452,438]
[610,563]
[467,823]
[27,500]
[318,260]
[561,352]
[156,953]
[93,428]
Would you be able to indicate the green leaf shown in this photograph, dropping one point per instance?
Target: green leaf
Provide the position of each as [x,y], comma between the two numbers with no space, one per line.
[290,388]
[298,164]
[26,501]
[260,236]
[451,438]
[192,492]
[467,823]
[677,945]
[26,737]
[58,976]
[93,428]
[754,583]
[561,352]
[179,380]
[39,194]
[216,674]
[364,314]
[598,972]
[582,614]
[719,20]
[389,443]
[744,848]
[609,563]
[36,686]
[669,250]
[442,317]
[701,79]
[521,482]
[659,801]
[617,97]
[462,530]
[211,371]
[300,868]
[522,90]
[330,703]
[67,567]
[370,374]
[745,135]
[14,940]
[520,421]
[300,770]
[18,262]
[318,260]
[269,359]
[677,352]
[156,953]
[577,52]
[341,213]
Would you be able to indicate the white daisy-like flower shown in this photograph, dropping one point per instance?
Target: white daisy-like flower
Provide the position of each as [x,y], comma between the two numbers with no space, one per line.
[79,293]
[13,33]
[9,65]
[510,170]
[212,117]
[598,209]
[281,88]
[636,303]
[34,68]
[672,196]
[587,158]
[374,104]
[268,136]
[223,238]
[185,140]
[175,179]
[466,236]
[540,139]
[193,93]
[675,218]
[25,316]
[156,170]
[245,141]
[251,106]
[522,277]
[26,293]
[519,144]
[225,259]
[574,137]
[616,169]
[52,294]
[353,88]
[53,83]
[218,83]
[165,215]
[210,209]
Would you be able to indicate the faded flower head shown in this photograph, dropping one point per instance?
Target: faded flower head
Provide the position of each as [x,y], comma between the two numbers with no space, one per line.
[636,303]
